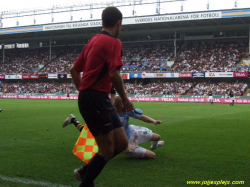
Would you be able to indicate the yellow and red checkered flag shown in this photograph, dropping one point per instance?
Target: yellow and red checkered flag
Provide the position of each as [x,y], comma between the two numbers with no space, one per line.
[86,146]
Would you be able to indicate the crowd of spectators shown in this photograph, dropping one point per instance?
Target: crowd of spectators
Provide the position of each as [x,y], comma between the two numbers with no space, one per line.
[63,61]
[39,88]
[193,56]
[148,58]
[24,61]
[162,88]
[212,56]
[221,88]
[155,88]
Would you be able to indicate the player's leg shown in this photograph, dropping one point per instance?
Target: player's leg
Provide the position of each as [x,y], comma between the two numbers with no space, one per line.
[140,153]
[211,100]
[146,135]
[155,137]
[72,119]
[155,141]
[149,155]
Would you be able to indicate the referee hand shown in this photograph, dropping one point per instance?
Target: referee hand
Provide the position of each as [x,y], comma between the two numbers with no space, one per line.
[128,105]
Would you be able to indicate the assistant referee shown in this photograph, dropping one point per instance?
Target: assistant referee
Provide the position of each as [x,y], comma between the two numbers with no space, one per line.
[100,61]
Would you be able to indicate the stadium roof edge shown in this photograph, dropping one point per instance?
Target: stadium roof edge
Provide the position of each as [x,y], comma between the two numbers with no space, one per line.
[227,13]
[238,19]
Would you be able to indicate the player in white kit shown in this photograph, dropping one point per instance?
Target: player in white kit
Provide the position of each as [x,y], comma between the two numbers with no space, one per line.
[135,134]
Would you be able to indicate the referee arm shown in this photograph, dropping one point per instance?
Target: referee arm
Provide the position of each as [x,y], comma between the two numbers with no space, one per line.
[76,76]
[117,82]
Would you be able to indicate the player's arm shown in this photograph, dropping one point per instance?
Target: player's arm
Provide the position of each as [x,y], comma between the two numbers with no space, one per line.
[150,120]
[76,76]
[117,82]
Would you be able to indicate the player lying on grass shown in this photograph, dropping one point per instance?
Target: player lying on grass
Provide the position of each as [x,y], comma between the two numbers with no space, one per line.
[136,134]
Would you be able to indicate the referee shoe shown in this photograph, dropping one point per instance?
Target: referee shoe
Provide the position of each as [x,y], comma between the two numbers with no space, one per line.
[78,173]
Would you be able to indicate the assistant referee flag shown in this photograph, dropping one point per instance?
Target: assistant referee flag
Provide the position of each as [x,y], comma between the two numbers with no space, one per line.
[86,146]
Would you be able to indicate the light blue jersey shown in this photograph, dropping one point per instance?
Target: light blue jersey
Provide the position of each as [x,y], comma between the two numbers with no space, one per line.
[136,113]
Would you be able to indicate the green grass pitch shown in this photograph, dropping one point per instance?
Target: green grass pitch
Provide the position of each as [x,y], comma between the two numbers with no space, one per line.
[202,142]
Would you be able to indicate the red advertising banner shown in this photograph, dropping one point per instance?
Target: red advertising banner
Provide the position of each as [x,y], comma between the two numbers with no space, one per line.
[34,76]
[147,99]
[186,75]
[240,74]
[55,97]
[2,76]
[30,76]
[191,100]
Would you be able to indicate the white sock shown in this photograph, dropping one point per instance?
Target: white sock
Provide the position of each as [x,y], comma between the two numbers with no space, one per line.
[154,143]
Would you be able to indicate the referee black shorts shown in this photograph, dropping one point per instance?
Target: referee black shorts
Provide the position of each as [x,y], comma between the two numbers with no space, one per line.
[98,112]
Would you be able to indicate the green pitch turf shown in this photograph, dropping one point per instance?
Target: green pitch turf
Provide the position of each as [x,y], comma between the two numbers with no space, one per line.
[202,142]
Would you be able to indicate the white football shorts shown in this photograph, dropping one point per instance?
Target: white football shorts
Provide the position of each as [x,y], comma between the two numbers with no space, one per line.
[139,135]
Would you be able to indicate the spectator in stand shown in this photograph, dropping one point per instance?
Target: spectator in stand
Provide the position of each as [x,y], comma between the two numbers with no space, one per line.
[1,92]
[162,88]
[192,57]
[40,88]
[218,88]
[174,88]
[24,61]
[209,56]
[63,61]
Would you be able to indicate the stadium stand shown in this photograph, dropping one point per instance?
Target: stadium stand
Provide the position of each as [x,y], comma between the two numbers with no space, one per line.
[24,61]
[63,60]
[147,58]
[154,88]
[52,87]
[193,56]
[166,88]
[220,88]
[201,56]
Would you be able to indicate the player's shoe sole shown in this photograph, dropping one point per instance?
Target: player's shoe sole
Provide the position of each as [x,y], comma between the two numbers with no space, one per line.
[159,144]
[67,121]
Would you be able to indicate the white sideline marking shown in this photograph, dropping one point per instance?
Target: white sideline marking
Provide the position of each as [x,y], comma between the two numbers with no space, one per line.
[29,181]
